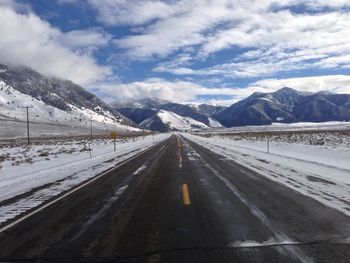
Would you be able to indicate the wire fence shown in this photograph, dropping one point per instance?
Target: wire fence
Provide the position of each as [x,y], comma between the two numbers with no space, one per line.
[17,130]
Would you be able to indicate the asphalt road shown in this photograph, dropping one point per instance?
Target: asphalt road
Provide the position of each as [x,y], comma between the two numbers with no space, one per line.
[179,202]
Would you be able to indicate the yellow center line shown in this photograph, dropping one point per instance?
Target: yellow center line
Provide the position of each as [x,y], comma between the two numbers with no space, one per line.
[180,159]
[179,152]
[185,195]
[178,142]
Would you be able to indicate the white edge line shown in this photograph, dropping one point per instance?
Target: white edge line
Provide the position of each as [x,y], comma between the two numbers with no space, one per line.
[72,191]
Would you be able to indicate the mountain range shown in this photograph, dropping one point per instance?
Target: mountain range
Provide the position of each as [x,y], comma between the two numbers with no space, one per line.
[286,105]
[62,101]
[162,115]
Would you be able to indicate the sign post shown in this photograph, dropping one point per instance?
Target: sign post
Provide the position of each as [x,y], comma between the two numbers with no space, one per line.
[114,136]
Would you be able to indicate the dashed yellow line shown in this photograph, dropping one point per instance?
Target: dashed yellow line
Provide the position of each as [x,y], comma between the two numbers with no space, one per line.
[178,142]
[179,152]
[180,159]
[185,195]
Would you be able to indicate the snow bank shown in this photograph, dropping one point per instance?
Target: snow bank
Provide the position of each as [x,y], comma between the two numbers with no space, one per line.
[298,126]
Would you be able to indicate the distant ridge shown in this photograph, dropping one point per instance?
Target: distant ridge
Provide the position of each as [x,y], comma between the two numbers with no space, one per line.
[286,105]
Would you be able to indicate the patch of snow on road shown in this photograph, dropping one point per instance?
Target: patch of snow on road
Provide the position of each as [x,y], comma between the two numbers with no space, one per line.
[270,242]
[140,169]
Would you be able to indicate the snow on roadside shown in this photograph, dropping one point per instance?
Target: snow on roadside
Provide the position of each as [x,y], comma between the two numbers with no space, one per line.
[334,157]
[321,173]
[71,167]
[298,126]
[24,169]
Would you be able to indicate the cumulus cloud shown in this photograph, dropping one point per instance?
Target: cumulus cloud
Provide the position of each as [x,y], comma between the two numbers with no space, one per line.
[121,12]
[190,92]
[170,25]
[91,38]
[28,40]
[262,39]
[332,83]
[317,37]
[177,91]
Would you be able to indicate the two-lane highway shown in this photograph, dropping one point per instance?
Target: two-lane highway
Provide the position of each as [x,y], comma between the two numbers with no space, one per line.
[180,202]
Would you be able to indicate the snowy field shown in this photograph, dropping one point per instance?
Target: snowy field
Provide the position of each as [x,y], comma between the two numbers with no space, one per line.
[15,129]
[299,126]
[10,129]
[34,175]
[314,164]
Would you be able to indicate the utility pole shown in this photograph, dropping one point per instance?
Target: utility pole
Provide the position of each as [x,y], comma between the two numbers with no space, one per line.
[90,137]
[115,147]
[27,108]
[91,129]
[268,145]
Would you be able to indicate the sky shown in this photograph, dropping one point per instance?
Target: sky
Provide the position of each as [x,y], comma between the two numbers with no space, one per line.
[193,51]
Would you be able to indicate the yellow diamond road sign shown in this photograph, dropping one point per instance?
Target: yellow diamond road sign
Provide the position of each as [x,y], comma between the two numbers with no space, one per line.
[114,135]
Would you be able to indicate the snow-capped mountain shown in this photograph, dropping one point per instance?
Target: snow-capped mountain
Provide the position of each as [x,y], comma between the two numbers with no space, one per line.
[169,121]
[140,110]
[286,105]
[53,101]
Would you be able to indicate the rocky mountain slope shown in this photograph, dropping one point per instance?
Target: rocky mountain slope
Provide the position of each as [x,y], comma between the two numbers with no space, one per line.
[52,100]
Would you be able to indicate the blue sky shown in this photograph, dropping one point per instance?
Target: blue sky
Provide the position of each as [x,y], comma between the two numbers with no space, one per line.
[186,51]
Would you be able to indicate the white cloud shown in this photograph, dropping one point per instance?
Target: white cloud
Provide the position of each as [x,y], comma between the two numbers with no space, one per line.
[119,12]
[182,27]
[274,40]
[177,91]
[332,83]
[20,7]
[286,40]
[91,38]
[190,92]
[28,40]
